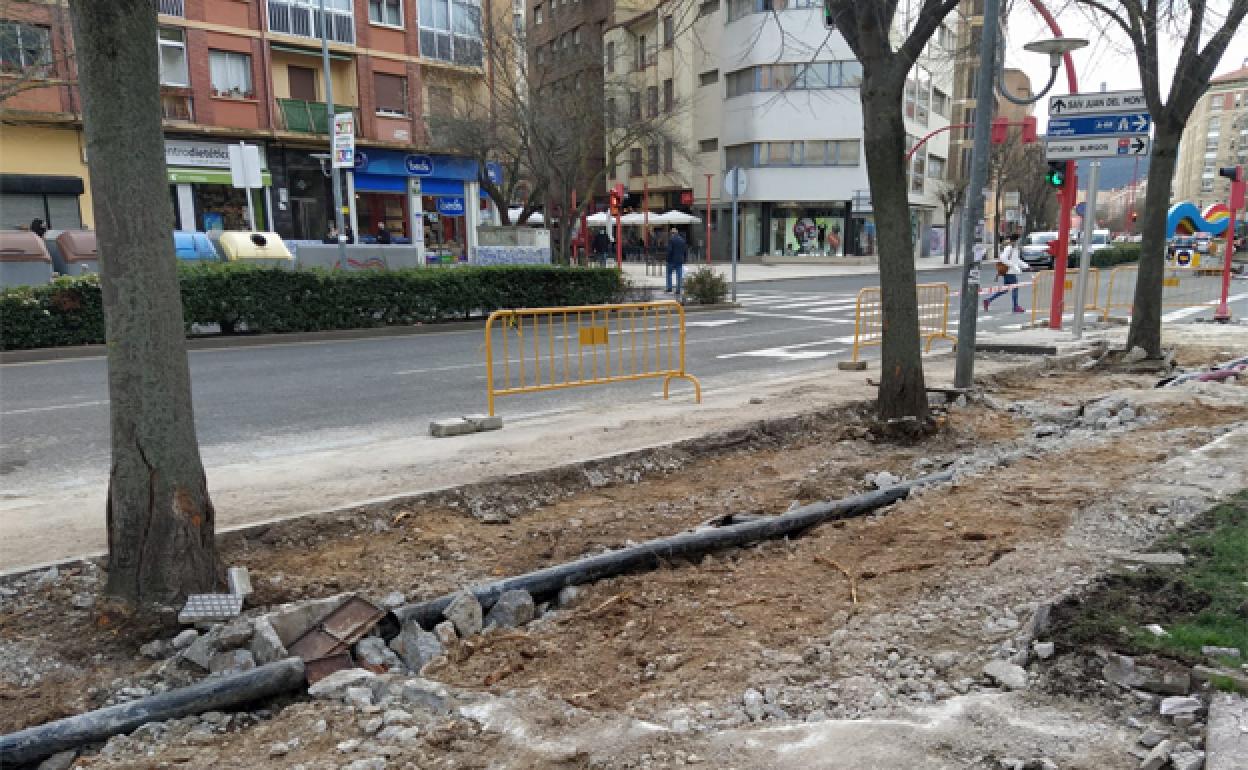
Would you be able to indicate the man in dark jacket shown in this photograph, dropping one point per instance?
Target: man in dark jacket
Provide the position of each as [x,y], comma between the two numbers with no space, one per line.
[602,246]
[677,250]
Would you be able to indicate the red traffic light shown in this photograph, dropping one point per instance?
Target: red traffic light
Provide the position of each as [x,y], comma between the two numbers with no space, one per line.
[1000,130]
[1029,129]
[1233,173]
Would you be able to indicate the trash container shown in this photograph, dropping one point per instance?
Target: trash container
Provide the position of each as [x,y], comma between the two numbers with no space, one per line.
[194,247]
[24,259]
[78,253]
[254,248]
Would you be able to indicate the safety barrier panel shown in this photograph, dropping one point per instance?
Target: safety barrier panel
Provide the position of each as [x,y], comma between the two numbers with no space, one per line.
[1042,292]
[933,301]
[551,348]
[1180,288]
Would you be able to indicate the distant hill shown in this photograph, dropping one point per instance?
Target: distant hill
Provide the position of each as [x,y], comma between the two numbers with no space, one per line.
[1115,172]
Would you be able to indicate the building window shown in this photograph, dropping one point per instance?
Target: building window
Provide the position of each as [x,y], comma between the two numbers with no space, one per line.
[231,74]
[669,156]
[634,162]
[26,48]
[541,55]
[634,106]
[391,93]
[783,77]
[835,152]
[1206,185]
[299,17]
[739,156]
[1215,125]
[173,70]
[1215,103]
[708,145]
[652,160]
[610,56]
[708,8]
[669,31]
[450,30]
[669,95]
[740,8]
[935,167]
[708,78]
[639,55]
[441,101]
[576,40]
[945,38]
[389,12]
[940,103]
[652,101]
[537,14]
[611,113]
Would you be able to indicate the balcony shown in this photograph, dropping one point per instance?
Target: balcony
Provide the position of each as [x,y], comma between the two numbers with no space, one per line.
[294,17]
[176,105]
[170,7]
[309,117]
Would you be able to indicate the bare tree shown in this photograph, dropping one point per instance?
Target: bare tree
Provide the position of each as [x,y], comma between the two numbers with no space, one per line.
[1201,39]
[952,196]
[1039,202]
[160,518]
[870,29]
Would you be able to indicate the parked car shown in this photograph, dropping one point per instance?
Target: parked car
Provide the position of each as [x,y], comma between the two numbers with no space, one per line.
[1036,249]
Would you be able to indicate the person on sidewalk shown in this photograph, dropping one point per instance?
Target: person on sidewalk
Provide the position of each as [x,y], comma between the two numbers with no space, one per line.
[677,250]
[1014,266]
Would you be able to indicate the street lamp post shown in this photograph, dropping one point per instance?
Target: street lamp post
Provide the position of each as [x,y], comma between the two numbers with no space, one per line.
[329,120]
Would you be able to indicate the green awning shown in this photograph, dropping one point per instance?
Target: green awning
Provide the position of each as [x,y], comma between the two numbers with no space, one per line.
[308,51]
[209,176]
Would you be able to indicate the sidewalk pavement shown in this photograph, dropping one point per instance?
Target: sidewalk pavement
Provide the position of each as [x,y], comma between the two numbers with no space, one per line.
[753,271]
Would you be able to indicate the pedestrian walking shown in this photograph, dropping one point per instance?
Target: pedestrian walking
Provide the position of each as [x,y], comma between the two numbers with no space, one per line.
[1009,267]
[677,250]
[602,246]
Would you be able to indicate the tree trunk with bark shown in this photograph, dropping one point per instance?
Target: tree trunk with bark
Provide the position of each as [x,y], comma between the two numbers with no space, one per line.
[902,391]
[1145,331]
[160,518]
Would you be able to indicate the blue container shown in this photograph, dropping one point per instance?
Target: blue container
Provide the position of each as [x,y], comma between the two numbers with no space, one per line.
[194,246]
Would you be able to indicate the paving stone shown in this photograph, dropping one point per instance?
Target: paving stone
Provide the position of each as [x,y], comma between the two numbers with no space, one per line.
[184,639]
[1189,760]
[483,422]
[266,645]
[1180,704]
[1006,674]
[465,612]
[453,427]
[1043,650]
[1154,559]
[512,610]
[1152,737]
[1158,757]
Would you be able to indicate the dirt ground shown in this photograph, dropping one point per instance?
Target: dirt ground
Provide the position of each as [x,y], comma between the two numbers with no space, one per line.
[691,637]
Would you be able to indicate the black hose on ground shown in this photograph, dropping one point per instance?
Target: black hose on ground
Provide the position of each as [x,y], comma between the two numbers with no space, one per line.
[35,743]
[545,583]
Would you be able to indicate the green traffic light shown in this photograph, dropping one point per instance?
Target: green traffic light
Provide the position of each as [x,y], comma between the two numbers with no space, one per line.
[1057,175]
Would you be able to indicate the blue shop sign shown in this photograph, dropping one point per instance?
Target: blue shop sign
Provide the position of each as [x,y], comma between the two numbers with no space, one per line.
[494,172]
[451,206]
[419,165]
[361,161]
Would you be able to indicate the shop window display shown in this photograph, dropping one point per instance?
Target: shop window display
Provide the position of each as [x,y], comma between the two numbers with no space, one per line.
[223,207]
[808,231]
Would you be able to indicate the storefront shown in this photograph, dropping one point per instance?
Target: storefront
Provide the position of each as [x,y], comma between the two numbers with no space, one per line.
[204,197]
[421,198]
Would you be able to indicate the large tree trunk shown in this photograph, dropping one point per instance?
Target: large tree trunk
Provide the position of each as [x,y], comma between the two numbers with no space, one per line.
[902,392]
[160,519]
[1145,329]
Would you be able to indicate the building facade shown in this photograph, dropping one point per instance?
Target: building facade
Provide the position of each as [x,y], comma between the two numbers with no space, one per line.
[1216,136]
[252,72]
[741,84]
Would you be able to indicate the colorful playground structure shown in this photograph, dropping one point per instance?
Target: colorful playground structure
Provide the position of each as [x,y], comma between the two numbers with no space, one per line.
[1185,219]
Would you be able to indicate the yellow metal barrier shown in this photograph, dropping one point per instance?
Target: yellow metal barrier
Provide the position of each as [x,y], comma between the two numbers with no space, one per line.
[933,301]
[1042,292]
[551,348]
[1179,288]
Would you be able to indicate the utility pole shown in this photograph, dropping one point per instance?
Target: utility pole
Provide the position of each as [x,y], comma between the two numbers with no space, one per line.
[329,120]
[968,313]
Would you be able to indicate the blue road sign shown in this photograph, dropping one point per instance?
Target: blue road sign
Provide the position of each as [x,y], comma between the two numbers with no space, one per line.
[1101,125]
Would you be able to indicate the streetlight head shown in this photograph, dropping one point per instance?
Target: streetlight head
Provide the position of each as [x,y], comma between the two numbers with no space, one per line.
[1057,45]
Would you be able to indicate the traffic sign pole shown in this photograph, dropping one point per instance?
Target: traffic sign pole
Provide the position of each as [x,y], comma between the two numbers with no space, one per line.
[1085,253]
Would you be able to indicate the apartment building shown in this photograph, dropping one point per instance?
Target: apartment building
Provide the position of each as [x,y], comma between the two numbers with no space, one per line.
[1216,136]
[251,71]
[763,86]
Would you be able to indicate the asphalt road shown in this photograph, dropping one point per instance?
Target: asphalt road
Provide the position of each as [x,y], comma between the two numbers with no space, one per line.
[293,398]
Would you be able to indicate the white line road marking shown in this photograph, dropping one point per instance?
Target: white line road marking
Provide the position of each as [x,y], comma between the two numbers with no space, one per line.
[796,317]
[786,351]
[451,368]
[818,303]
[713,324]
[1181,313]
[77,405]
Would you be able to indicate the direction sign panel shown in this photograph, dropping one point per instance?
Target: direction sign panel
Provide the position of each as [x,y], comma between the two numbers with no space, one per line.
[1102,125]
[1090,104]
[1096,147]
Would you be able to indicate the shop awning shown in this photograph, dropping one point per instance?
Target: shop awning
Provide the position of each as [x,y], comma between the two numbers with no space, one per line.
[365,182]
[439,187]
[179,175]
[42,184]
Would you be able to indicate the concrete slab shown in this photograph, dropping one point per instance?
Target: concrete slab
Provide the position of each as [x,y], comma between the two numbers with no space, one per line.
[1226,742]
[454,427]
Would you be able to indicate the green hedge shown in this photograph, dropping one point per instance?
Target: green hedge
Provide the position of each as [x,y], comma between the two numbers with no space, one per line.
[69,311]
[1117,254]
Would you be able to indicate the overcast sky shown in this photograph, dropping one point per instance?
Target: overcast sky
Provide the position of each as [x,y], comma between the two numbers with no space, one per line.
[1107,59]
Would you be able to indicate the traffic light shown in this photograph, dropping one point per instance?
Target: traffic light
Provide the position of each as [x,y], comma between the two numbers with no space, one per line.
[1029,129]
[1233,173]
[615,203]
[1056,177]
[1000,130]
[1134,216]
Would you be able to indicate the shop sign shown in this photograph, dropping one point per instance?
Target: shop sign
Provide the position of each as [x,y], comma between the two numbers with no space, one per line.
[361,161]
[344,140]
[419,165]
[451,206]
[186,153]
[494,172]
